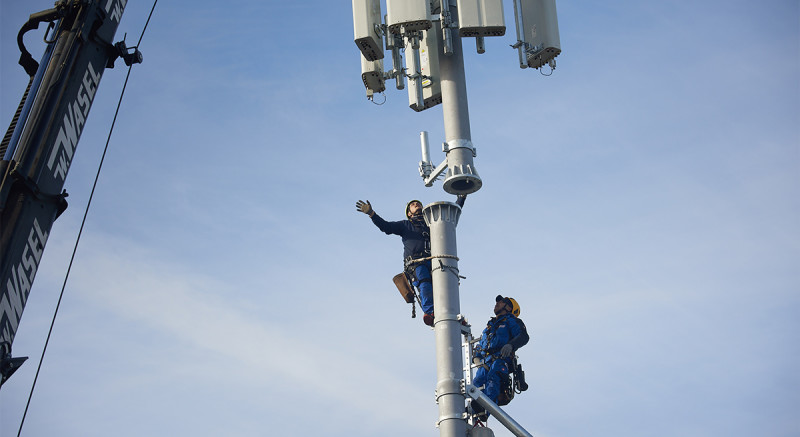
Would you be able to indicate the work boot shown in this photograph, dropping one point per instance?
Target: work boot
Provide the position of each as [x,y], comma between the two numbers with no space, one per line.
[478,410]
[428,319]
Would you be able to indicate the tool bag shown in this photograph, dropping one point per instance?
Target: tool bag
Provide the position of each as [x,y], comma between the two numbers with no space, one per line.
[513,383]
[506,391]
[404,287]
[403,284]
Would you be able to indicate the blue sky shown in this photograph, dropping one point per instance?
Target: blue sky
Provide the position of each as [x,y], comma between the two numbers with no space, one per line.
[642,204]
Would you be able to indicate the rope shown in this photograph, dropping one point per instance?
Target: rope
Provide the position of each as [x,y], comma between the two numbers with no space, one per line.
[453,270]
[428,258]
[80,231]
[442,266]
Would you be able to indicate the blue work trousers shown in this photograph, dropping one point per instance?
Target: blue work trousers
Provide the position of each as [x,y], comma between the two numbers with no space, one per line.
[492,377]
[422,280]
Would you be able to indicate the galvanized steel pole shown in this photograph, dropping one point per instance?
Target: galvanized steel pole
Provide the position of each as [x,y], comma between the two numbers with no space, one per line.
[442,218]
[454,94]
[462,176]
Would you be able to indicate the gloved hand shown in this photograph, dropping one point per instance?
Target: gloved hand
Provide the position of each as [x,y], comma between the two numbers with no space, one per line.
[477,361]
[364,207]
[506,351]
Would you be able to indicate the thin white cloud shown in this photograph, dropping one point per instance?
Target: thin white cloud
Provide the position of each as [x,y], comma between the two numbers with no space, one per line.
[195,308]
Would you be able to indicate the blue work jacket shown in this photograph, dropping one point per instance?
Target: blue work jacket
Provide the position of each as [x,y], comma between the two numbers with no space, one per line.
[501,330]
[415,234]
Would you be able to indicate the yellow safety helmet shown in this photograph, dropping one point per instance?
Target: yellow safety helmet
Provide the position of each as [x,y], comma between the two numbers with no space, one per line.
[408,205]
[510,302]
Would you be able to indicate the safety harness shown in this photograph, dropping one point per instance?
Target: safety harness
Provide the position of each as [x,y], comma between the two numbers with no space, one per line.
[514,381]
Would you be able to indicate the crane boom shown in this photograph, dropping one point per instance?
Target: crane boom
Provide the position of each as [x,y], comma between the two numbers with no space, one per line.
[46,130]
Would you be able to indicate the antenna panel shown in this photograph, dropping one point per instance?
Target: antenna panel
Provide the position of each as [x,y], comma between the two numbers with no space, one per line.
[481,18]
[366,22]
[372,75]
[540,31]
[407,15]
[429,63]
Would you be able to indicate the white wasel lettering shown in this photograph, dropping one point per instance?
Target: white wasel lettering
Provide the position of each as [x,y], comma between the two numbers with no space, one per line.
[72,124]
[84,101]
[119,7]
[10,308]
[67,139]
[80,119]
[90,81]
[24,281]
[37,243]
[18,286]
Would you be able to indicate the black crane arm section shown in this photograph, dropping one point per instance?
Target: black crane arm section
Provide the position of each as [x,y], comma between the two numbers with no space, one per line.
[42,140]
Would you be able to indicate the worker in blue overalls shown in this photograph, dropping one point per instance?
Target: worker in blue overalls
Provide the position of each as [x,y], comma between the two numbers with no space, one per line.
[416,249]
[494,354]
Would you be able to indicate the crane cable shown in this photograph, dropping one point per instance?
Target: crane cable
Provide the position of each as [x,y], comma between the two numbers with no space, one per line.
[83,222]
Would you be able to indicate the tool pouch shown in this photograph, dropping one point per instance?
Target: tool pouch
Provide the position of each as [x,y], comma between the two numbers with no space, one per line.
[401,282]
[506,391]
[519,379]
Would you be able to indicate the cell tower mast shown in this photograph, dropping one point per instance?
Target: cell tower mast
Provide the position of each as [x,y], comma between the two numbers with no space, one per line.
[430,33]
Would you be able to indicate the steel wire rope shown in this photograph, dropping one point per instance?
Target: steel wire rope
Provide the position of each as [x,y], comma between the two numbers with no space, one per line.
[83,223]
[428,258]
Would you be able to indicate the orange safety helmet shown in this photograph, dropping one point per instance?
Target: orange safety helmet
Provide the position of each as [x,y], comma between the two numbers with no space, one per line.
[510,302]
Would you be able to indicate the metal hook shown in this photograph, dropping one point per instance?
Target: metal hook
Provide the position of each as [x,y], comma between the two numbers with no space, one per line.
[50,26]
